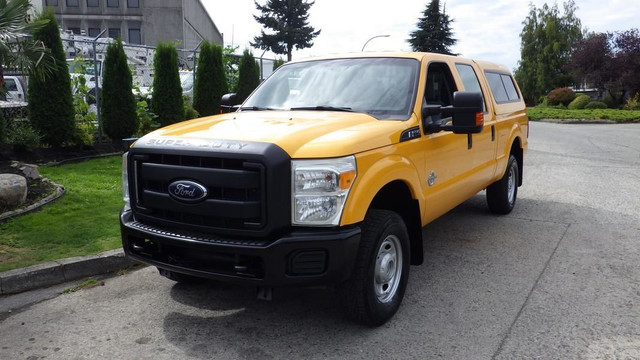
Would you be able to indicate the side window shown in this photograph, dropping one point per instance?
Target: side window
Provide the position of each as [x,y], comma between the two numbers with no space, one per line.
[11,85]
[470,81]
[440,85]
[502,87]
[512,93]
[497,87]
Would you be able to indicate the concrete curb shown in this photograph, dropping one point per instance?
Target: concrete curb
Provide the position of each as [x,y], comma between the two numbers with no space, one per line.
[59,271]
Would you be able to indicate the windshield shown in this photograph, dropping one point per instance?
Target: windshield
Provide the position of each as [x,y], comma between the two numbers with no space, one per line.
[382,87]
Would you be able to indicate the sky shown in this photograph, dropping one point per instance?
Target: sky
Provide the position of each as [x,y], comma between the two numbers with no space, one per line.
[485,29]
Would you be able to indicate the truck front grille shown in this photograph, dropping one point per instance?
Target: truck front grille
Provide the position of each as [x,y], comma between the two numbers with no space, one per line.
[235,200]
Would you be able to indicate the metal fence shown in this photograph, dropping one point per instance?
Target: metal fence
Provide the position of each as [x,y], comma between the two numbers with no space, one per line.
[86,56]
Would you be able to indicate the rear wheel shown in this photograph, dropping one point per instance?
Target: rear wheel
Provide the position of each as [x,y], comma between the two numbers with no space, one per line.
[375,290]
[501,195]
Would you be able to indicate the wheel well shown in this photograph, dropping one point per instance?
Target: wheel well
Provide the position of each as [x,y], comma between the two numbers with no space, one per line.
[396,197]
[516,150]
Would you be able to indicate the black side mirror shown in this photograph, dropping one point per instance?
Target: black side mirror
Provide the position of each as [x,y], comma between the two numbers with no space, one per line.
[465,115]
[227,103]
[468,117]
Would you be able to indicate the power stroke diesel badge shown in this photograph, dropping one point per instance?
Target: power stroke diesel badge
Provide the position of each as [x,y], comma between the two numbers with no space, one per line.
[187,191]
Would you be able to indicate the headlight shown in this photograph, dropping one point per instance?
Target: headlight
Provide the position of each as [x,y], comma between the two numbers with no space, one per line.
[320,189]
[125,183]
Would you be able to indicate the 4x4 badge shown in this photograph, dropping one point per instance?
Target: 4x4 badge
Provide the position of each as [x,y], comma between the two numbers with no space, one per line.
[432,178]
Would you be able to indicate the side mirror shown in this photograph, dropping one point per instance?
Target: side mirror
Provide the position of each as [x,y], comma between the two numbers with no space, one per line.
[227,103]
[465,115]
[468,117]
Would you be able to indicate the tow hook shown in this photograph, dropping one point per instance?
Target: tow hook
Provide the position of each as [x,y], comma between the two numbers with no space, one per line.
[265,293]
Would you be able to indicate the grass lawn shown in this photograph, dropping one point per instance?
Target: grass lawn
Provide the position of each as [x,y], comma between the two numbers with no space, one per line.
[83,221]
[622,116]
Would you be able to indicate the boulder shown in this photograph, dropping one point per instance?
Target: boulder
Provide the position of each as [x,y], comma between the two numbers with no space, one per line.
[30,171]
[13,189]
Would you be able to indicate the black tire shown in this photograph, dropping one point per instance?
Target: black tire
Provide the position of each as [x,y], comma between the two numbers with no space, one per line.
[501,195]
[179,277]
[384,248]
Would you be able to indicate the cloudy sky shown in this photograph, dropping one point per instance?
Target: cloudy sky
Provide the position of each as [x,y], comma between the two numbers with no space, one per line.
[485,29]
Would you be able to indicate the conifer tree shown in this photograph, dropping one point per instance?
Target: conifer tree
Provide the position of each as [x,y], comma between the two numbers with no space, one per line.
[118,104]
[51,109]
[434,32]
[211,82]
[288,21]
[248,77]
[167,102]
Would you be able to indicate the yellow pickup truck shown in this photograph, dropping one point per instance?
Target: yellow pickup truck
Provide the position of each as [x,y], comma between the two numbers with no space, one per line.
[326,175]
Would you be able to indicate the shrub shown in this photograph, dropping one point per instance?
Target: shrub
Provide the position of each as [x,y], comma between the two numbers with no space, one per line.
[211,82]
[560,96]
[596,105]
[118,104]
[579,102]
[190,112]
[85,118]
[248,77]
[277,63]
[611,103]
[146,119]
[633,103]
[22,136]
[166,100]
[50,101]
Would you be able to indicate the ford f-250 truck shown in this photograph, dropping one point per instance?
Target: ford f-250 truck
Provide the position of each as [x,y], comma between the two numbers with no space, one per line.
[326,175]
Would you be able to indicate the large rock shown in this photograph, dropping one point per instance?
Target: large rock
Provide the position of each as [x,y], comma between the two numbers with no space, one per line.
[13,189]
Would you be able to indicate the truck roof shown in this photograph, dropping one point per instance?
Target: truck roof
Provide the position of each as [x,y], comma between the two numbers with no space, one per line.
[485,65]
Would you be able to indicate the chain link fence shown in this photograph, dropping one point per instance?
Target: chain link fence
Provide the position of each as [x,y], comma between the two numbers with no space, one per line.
[85,57]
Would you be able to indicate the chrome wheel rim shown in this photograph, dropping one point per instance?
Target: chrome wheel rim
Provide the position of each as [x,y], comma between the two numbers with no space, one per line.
[511,184]
[388,270]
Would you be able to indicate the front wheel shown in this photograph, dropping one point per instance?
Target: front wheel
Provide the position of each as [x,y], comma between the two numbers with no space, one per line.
[375,290]
[501,195]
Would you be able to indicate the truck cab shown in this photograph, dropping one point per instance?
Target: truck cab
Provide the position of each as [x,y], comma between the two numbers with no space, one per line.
[326,175]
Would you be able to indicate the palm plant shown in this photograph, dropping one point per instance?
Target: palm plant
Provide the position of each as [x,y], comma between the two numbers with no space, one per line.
[17,49]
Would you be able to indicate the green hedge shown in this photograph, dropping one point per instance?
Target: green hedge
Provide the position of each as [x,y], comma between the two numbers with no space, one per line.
[622,116]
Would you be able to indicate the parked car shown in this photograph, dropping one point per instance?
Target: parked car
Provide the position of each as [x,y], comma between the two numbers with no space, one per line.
[16,86]
[13,108]
[186,81]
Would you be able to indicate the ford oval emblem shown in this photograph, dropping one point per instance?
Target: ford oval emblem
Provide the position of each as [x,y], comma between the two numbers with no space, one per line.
[187,191]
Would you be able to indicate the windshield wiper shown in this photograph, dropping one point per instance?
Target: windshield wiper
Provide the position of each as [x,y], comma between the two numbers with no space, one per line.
[255,108]
[323,108]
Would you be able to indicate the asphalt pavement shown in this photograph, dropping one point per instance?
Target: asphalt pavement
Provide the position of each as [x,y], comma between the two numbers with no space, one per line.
[555,279]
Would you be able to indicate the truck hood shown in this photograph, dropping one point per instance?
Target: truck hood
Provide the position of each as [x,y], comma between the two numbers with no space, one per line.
[302,134]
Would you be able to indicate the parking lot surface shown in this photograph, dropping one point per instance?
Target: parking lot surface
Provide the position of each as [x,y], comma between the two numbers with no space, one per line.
[555,279]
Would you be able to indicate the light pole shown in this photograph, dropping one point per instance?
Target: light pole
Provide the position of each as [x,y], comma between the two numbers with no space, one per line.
[377,36]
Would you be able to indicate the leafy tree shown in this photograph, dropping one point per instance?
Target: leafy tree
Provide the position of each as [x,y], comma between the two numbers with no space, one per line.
[118,102]
[289,21]
[547,39]
[608,61]
[50,101]
[211,82]
[591,60]
[248,77]
[626,61]
[167,102]
[434,32]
